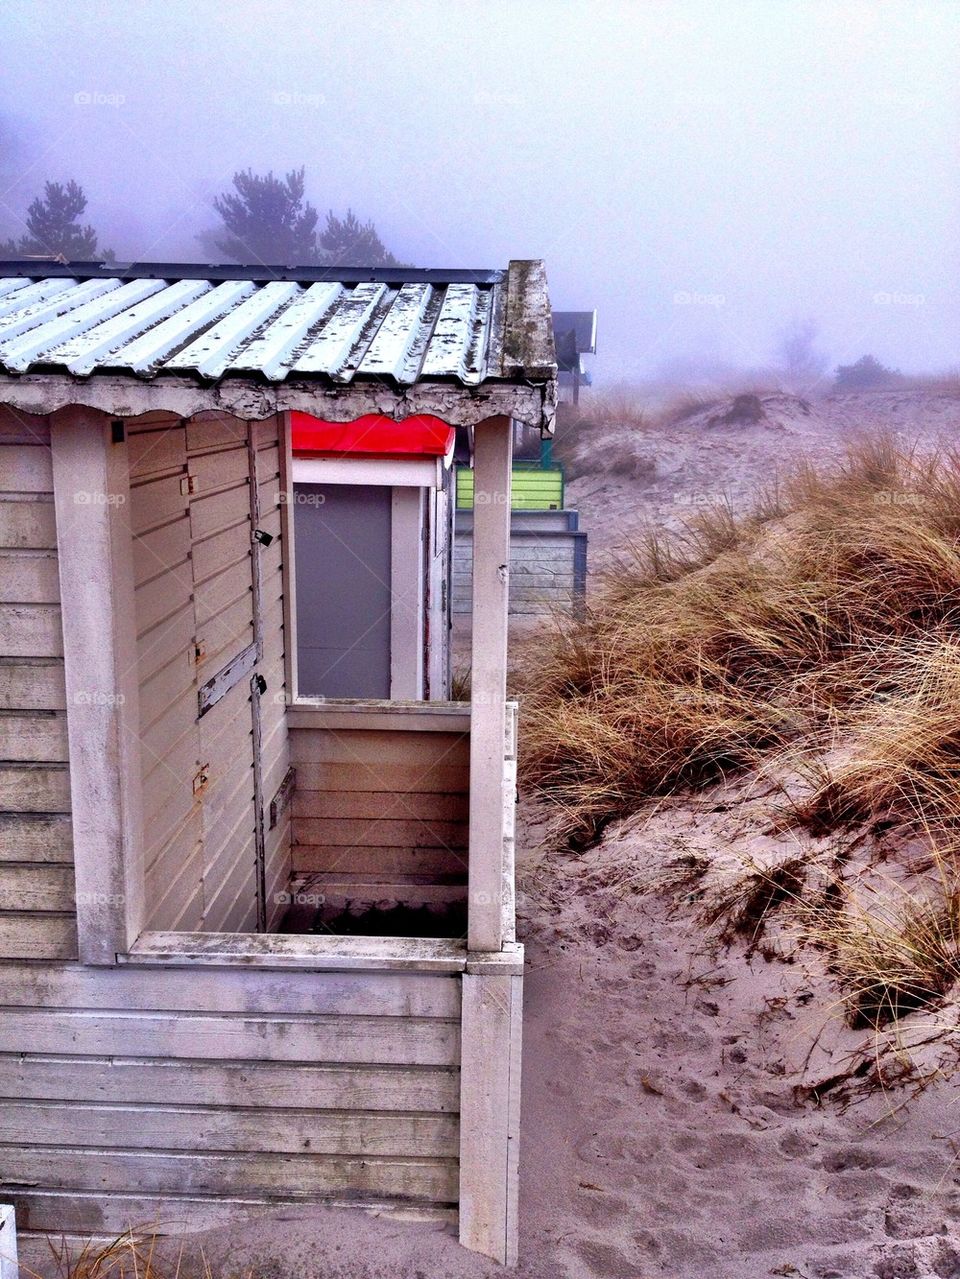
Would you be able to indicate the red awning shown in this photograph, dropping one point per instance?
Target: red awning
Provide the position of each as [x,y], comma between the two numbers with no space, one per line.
[372,434]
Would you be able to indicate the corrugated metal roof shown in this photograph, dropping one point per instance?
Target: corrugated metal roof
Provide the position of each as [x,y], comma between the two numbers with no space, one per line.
[366,325]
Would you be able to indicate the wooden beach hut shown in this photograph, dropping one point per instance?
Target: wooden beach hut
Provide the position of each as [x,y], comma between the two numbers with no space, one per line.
[215,796]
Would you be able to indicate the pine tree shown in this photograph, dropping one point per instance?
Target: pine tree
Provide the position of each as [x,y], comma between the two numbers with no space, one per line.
[350,242]
[267,220]
[53,227]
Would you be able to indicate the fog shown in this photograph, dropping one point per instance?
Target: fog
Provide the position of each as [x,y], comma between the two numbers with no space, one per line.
[703,174]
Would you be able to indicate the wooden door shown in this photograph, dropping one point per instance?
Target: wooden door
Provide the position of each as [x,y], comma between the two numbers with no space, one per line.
[193,516]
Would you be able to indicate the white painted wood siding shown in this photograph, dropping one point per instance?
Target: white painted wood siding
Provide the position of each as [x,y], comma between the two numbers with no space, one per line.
[191,517]
[381,814]
[219,1092]
[37,905]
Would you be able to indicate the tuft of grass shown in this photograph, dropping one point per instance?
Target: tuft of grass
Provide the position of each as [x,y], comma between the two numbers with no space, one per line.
[621,404]
[460,682]
[893,954]
[684,405]
[742,903]
[903,758]
[604,434]
[743,636]
[130,1255]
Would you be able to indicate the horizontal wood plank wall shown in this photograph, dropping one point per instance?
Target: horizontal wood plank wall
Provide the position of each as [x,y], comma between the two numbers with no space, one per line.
[185,1097]
[547,570]
[381,815]
[37,904]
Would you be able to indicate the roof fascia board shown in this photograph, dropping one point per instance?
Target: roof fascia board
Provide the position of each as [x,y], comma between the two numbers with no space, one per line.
[124,396]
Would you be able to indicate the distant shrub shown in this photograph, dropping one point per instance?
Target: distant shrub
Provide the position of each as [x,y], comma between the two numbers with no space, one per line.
[868,374]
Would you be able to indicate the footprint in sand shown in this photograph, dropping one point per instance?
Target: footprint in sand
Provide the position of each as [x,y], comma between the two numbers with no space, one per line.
[606,1261]
[945,1261]
[796,1143]
[897,1263]
[854,1158]
[912,1214]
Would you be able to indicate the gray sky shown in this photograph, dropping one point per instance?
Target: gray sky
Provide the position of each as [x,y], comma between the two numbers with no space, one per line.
[701,173]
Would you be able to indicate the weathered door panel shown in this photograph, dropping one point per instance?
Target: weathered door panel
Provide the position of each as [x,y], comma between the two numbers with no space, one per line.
[197,600]
[343,571]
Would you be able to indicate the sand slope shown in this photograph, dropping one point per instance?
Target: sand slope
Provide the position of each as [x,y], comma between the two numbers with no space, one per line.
[701,460]
[666,1070]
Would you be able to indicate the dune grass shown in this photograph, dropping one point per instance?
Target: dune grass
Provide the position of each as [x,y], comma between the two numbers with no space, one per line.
[132,1255]
[896,952]
[825,626]
[743,634]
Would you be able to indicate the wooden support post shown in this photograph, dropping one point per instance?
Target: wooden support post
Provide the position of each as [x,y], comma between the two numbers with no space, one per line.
[490,1056]
[406,594]
[493,456]
[8,1243]
[95,553]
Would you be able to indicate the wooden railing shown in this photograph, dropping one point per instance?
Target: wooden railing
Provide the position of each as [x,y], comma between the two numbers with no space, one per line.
[381,804]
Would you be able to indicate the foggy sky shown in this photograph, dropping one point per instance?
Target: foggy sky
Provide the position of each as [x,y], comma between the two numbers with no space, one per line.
[701,173]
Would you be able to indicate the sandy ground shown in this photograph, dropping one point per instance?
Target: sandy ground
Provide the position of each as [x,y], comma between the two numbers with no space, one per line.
[669,1128]
[703,461]
[672,1071]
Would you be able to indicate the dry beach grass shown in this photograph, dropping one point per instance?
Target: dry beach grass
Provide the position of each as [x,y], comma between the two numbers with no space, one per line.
[819,638]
